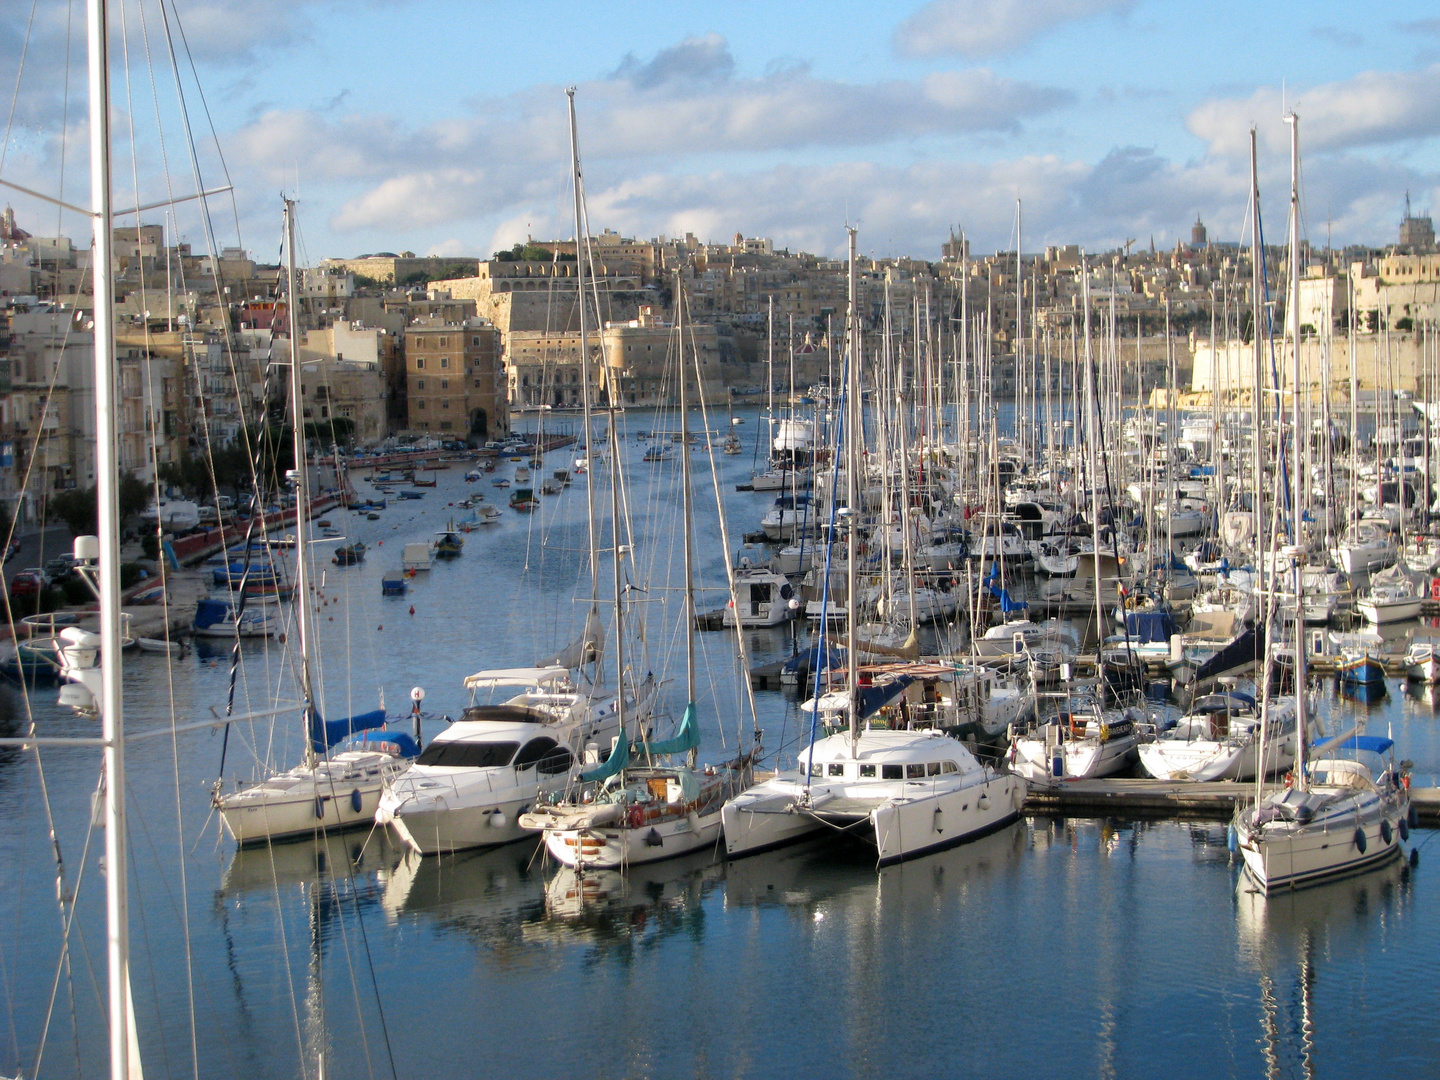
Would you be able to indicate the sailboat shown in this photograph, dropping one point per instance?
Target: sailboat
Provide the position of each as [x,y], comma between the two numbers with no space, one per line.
[905,789]
[325,791]
[470,787]
[635,808]
[1337,814]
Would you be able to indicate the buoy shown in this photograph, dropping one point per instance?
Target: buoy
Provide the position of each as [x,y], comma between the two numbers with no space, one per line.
[1404,828]
[1385,833]
[282,636]
[319,807]
[1360,841]
[1232,839]
[412,609]
[355,801]
[382,625]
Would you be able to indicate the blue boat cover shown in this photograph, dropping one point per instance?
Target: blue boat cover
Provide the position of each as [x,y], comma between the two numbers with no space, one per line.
[326,733]
[816,658]
[1376,744]
[685,739]
[1145,627]
[398,741]
[208,612]
[871,699]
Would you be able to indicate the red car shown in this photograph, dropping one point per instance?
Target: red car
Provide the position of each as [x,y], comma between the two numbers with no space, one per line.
[27,583]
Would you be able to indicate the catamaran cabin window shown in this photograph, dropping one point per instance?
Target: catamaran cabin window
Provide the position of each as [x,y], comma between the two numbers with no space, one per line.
[892,772]
[867,771]
[487,755]
[932,768]
[914,771]
[949,767]
[815,768]
[836,769]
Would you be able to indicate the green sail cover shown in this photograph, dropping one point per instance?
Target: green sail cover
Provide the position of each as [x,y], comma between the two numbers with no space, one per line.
[685,739]
[618,759]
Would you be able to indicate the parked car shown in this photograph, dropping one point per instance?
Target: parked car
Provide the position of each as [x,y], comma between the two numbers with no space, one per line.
[12,550]
[59,568]
[28,582]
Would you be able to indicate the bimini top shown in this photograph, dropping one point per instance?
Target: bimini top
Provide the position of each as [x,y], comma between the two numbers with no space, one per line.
[526,676]
[1376,744]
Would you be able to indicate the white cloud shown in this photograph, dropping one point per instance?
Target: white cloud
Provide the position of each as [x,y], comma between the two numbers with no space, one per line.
[1372,109]
[976,28]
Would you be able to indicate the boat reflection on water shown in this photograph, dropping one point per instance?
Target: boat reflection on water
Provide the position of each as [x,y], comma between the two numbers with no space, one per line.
[349,857]
[1287,939]
[1364,693]
[486,892]
[630,908]
[1422,696]
[814,873]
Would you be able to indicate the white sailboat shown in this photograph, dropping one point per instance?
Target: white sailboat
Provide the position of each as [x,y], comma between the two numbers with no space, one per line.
[905,790]
[622,813]
[325,791]
[1340,814]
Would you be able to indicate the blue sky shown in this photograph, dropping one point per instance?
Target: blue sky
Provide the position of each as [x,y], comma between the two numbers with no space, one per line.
[439,127]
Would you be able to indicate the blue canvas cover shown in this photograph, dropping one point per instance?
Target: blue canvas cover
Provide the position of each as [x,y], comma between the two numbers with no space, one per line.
[326,733]
[1145,627]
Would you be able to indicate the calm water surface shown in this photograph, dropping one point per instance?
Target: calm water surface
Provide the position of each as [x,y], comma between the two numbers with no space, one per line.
[1064,948]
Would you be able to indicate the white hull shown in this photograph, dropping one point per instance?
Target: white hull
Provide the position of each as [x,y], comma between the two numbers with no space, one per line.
[615,848]
[1203,759]
[1079,759]
[339,794]
[1292,855]
[1381,612]
[441,830]
[919,808]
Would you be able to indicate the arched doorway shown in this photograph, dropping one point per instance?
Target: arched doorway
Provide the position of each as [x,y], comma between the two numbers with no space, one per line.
[479,426]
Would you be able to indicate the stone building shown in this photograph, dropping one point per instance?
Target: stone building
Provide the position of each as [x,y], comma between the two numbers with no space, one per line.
[455,379]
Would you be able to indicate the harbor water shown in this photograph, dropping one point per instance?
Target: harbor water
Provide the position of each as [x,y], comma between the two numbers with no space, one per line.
[1077,947]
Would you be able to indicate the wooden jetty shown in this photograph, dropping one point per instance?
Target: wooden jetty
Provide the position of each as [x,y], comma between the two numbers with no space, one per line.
[1143,798]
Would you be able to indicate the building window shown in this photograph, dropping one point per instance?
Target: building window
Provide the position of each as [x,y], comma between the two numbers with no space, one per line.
[475,341]
[444,361]
[443,342]
[420,363]
[477,384]
[445,403]
[444,384]
[419,384]
[420,405]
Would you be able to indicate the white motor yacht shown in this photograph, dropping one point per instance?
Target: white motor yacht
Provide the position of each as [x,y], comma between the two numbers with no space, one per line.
[473,781]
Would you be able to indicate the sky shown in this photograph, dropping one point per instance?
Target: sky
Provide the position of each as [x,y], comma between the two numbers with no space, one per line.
[439,126]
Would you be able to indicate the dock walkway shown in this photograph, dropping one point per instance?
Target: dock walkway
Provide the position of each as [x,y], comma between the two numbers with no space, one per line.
[1141,798]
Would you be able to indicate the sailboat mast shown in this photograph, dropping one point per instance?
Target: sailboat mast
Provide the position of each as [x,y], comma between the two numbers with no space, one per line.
[686,505]
[117,883]
[302,485]
[852,463]
[1257,270]
[590,524]
[1297,509]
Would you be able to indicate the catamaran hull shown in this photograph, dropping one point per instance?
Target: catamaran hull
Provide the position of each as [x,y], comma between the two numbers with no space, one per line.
[913,827]
[756,825]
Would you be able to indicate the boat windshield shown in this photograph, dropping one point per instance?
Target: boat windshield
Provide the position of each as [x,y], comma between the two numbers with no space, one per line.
[470,755]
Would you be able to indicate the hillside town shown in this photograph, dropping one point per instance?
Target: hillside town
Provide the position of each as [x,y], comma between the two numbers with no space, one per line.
[400,347]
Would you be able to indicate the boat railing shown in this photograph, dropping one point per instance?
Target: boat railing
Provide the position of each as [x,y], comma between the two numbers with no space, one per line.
[49,624]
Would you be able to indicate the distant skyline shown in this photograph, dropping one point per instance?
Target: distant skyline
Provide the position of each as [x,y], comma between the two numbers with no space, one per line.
[440,127]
